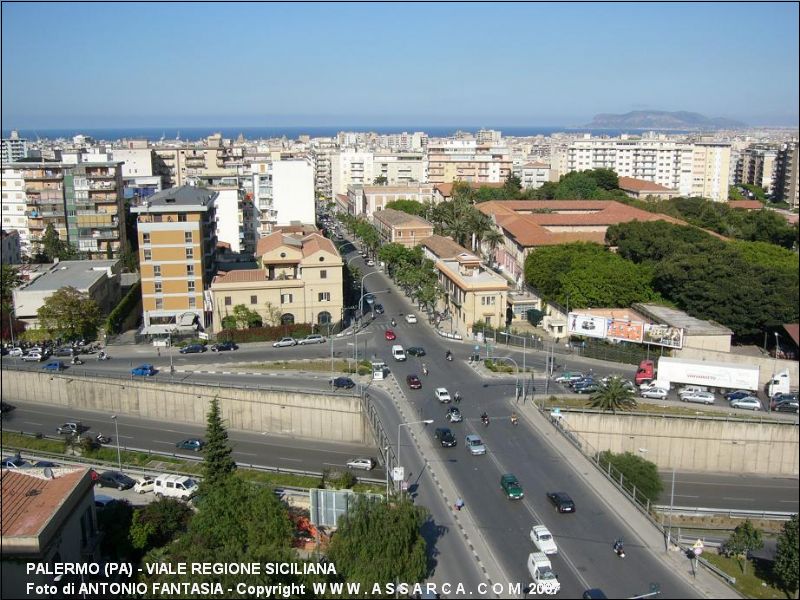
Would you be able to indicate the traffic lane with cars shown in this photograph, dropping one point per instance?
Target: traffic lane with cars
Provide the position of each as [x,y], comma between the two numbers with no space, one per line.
[735,492]
[265,449]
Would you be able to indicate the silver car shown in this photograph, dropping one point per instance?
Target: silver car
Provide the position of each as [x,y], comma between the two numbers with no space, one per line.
[706,398]
[474,444]
[314,338]
[283,342]
[655,393]
[748,403]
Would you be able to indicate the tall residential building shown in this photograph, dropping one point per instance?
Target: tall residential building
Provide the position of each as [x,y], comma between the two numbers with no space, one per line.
[139,175]
[534,175]
[83,202]
[283,193]
[14,148]
[466,160]
[10,254]
[488,136]
[787,175]
[711,163]
[14,207]
[321,152]
[351,167]
[177,236]
[757,166]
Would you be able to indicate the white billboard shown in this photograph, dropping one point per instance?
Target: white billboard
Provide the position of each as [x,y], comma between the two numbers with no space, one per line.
[586,325]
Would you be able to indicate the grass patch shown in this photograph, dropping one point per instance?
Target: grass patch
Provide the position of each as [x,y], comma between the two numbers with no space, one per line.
[749,584]
[369,488]
[18,440]
[339,366]
[278,479]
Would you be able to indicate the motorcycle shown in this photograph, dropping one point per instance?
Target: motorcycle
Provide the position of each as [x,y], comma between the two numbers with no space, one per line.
[619,548]
[485,420]
[457,398]
[424,370]
[514,420]
[103,356]
[102,439]
[449,356]
[394,323]
[76,361]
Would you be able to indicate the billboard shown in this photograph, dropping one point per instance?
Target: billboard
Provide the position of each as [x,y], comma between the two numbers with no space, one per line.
[625,330]
[663,335]
[586,325]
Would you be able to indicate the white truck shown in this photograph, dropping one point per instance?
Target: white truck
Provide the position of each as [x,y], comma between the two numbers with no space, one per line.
[543,579]
[728,376]
[779,383]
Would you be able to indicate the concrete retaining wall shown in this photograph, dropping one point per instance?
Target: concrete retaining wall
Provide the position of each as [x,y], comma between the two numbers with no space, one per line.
[694,444]
[315,415]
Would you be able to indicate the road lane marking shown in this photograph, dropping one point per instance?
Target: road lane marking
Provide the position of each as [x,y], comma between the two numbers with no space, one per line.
[291,459]
[789,501]
[749,499]
[163,442]
[685,496]
[32,423]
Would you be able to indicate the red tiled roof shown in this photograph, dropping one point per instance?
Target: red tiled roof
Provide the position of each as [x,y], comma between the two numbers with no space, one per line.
[793,329]
[241,276]
[745,204]
[443,247]
[314,242]
[632,184]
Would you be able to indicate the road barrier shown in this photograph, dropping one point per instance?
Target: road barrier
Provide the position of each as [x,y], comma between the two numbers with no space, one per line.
[723,512]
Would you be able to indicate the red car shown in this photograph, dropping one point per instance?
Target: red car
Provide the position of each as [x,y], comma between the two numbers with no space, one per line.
[413,382]
[389,335]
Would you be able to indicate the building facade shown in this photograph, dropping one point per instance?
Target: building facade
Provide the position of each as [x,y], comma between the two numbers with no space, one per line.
[11,253]
[787,177]
[14,148]
[365,200]
[466,160]
[534,175]
[398,227]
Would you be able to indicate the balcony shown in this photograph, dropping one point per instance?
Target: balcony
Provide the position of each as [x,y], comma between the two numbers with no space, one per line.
[42,175]
[101,174]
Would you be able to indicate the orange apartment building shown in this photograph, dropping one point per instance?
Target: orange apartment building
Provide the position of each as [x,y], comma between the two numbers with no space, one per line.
[395,226]
[177,236]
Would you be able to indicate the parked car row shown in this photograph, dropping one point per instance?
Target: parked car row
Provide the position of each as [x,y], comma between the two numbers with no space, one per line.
[314,338]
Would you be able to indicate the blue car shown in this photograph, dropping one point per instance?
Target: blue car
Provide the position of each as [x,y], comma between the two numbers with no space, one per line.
[144,370]
[54,365]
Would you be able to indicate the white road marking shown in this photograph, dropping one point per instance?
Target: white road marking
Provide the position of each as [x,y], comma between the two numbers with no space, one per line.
[685,496]
[32,423]
[163,442]
[728,498]
[246,453]
[290,459]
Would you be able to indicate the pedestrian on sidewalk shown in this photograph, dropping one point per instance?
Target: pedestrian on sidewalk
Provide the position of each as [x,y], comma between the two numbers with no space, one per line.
[459,504]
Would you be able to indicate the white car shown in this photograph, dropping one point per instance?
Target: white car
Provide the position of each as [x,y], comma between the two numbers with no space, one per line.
[367,464]
[314,338]
[474,444]
[411,318]
[748,403]
[688,389]
[287,341]
[442,395]
[543,540]
[15,352]
[144,484]
[706,398]
[656,392]
[33,357]
[370,263]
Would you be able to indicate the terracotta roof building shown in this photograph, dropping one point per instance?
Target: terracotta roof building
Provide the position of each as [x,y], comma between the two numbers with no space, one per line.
[439,246]
[642,189]
[444,191]
[745,204]
[401,228]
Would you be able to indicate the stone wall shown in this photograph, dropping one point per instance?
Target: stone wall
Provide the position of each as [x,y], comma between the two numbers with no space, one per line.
[694,444]
[307,414]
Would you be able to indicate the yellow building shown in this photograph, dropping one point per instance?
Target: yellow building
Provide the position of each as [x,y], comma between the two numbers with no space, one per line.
[177,245]
[396,226]
[299,281]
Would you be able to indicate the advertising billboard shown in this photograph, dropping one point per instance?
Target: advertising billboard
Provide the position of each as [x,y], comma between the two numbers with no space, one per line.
[625,330]
[586,325]
[663,335]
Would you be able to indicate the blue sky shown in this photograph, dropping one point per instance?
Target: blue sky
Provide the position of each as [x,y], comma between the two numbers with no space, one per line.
[114,65]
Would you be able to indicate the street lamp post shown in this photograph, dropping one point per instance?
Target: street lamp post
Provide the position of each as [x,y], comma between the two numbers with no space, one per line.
[399,425]
[516,366]
[116,433]
[361,297]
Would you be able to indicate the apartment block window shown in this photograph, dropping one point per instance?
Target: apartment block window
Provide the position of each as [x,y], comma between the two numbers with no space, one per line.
[156,270]
[324,297]
[145,238]
[190,270]
[187,237]
[227,300]
[323,274]
[159,303]
[189,253]
[253,299]
[286,298]
[148,254]
[182,218]
[158,287]
[192,302]
[190,286]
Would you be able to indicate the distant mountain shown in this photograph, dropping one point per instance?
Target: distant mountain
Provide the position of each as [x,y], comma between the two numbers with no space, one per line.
[661,119]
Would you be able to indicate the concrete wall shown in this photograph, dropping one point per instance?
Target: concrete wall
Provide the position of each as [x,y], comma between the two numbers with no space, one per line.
[713,445]
[324,416]
[766,364]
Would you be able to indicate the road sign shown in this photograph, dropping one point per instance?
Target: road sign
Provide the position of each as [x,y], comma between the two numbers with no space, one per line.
[202,335]
[398,474]
[698,547]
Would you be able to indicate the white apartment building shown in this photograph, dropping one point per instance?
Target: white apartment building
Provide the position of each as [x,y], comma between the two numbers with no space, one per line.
[351,167]
[367,199]
[758,166]
[14,148]
[488,136]
[283,193]
[534,175]
[465,160]
[136,158]
[14,207]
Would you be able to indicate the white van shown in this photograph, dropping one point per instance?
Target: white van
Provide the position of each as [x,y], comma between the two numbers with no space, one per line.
[398,352]
[175,486]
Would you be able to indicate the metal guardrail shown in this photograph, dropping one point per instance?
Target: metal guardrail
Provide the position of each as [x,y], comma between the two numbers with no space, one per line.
[727,512]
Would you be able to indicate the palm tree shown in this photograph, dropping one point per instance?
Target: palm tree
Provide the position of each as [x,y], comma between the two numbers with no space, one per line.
[493,239]
[613,395]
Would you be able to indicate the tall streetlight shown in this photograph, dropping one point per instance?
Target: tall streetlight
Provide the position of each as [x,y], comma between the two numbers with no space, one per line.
[774,367]
[361,297]
[517,374]
[426,421]
[116,433]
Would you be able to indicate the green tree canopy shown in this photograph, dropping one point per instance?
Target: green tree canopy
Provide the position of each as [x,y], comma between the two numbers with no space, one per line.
[70,313]
[613,395]
[246,318]
[638,472]
[158,523]
[745,538]
[787,563]
[218,463]
[51,246]
[411,207]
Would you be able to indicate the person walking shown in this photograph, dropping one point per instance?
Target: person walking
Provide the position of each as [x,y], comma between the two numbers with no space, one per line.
[459,504]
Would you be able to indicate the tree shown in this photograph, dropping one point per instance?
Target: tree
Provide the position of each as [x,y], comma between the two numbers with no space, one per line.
[492,239]
[534,316]
[787,565]
[70,313]
[639,473]
[114,521]
[614,395]
[745,538]
[380,180]
[245,317]
[218,464]
[512,186]
[411,207]
[158,523]
[10,278]
[273,314]
[605,178]
[380,540]
[51,246]
[577,185]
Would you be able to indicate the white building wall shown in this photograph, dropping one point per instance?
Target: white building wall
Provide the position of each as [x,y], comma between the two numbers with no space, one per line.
[14,206]
[136,162]
[227,215]
[293,191]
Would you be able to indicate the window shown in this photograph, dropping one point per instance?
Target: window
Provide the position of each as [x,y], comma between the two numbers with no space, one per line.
[253,299]
[182,218]
[227,300]
[145,238]
[187,237]
[323,274]
[159,303]
[156,270]
[148,254]
[286,298]
[189,253]
[192,302]
[324,297]
[158,287]
[190,270]
[190,286]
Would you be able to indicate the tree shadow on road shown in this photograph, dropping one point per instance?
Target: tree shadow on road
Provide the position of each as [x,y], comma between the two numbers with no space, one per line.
[432,532]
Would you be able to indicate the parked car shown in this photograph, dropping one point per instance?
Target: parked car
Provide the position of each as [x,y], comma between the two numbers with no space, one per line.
[790,406]
[442,395]
[195,444]
[144,485]
[413,382]
[416,351]
[33,357]
[569,376]
[314,338]
[690,389]
[64,351]
[224,347]
[284,342]
[193,349]
[54,365]
[14,462]
[511,487]
[411,318]
[589,388]
[445,437]
[41,464]
[102,501]
[343,382]
[561,501]
[454,415]
[144,370]
[389,335]
[174,486]
[16,351]
[737,394]
[706,398]
[583,381]
[115,479]
[781,397]
[370,263]
[748,403]
[543,539]
[72,428]
[366,464]
[474,444]
[656,393]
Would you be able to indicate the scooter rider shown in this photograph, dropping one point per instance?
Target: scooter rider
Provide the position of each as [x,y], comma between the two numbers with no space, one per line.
[514,418]
[485,418]
[448,355]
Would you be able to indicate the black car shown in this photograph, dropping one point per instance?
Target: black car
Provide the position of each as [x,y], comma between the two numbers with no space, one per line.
[561,501]
[445,437]
[115,479]
[193,349]
[224,347]
[45,463]
[594,594]
[415,351]
[343,382]
[790,406]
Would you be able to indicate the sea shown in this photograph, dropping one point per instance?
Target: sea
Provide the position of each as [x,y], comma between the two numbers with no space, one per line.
[294,132]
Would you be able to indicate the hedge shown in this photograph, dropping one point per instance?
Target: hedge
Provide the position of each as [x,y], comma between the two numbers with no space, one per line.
[264,334]
[121,310]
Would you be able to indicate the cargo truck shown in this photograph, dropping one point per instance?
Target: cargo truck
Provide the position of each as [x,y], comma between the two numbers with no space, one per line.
[728,376]
[542,576]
